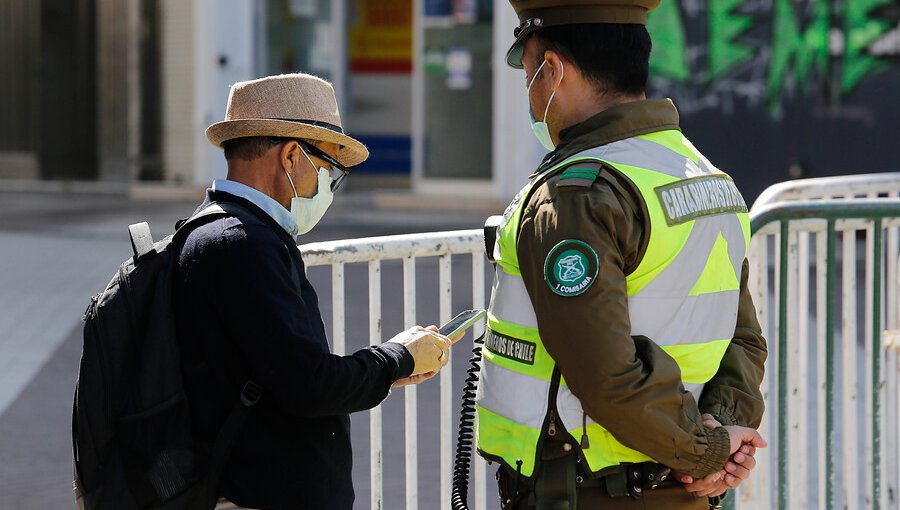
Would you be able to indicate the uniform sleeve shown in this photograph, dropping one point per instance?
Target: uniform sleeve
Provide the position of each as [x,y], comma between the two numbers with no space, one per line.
[629,385]
[733,395]
[280,336]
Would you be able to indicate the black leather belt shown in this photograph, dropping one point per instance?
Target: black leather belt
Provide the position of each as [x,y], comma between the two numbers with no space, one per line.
[633,479]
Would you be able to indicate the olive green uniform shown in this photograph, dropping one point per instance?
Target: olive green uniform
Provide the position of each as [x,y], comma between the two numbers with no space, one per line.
[650,414]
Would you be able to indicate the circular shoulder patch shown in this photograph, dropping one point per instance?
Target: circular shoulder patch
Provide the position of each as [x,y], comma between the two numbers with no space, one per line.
[571,267]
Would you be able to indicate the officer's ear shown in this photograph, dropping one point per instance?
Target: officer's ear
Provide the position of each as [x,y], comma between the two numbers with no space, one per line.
[555,67]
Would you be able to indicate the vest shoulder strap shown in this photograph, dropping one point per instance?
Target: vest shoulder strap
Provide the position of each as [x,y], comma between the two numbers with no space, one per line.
[579,174]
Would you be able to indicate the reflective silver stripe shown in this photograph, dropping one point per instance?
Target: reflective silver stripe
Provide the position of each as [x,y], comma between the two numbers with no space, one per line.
[667,320]
[572,414]
[650,155]
[569,408]
[677,320]
[683,272]
[510,301]
[517,397]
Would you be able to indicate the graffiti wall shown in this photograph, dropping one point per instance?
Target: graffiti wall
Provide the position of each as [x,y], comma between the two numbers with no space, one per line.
[778,89]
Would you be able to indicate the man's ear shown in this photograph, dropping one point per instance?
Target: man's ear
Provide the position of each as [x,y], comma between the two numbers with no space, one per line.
[290,155]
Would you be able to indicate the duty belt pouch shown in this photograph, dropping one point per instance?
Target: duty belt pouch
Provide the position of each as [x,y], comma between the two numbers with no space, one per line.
[617,483]
[555,487]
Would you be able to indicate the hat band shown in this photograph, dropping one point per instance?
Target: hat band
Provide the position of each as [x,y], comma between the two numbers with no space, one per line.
[624,14]
[316,123]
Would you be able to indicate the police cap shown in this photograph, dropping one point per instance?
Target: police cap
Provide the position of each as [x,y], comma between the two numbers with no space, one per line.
[537,14]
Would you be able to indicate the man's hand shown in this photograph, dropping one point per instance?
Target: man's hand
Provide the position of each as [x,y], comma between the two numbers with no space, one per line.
[736,470]
[430,350]
[413,379]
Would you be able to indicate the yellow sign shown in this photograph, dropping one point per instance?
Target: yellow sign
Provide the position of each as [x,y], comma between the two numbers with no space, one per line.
[381,40]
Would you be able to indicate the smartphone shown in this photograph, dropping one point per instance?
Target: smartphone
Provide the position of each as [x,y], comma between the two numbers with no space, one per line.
[461,322]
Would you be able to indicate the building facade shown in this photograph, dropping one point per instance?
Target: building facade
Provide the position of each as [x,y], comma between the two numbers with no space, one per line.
[120,91]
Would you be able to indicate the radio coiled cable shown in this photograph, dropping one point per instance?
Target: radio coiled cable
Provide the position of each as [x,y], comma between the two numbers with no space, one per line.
[459,497]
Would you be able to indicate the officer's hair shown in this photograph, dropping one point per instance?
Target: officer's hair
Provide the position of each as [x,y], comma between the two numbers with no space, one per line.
[247,148]
[614,56]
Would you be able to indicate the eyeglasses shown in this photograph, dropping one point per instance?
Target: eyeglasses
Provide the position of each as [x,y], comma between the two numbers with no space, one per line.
[312,150]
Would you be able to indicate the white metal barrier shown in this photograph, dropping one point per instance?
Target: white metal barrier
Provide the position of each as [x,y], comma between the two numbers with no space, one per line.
[806,465]
[831,384]
[408,248]
[806,248]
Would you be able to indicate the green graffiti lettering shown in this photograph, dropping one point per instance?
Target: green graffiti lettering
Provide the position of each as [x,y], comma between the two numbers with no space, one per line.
[861,31]
[724,27]
[807,50]
[669,56]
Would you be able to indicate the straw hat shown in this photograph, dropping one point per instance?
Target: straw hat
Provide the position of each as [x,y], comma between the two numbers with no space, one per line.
[290,106]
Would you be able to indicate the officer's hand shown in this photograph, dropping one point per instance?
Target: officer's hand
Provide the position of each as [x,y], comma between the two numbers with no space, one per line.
[429,349]
[739,466]
[710,421]
[711,485]
[736,470]
[740,436]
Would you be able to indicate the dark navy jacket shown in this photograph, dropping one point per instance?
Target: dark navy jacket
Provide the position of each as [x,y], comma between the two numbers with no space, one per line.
[243,313]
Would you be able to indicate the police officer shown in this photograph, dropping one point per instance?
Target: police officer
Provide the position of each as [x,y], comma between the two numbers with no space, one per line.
[623,359]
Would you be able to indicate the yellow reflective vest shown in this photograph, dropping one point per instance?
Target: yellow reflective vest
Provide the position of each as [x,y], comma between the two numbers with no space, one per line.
[683,295]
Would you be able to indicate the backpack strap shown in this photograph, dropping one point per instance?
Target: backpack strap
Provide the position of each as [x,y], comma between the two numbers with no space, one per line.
[227,435]
[141,239]
[216,209]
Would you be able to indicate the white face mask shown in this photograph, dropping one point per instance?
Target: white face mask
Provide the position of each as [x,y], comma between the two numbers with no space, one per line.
[541,129]
[308,211]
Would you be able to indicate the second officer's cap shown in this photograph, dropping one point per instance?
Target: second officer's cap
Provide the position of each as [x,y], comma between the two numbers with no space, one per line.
[537,14]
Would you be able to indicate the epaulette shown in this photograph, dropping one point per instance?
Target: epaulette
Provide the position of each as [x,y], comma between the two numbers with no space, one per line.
[580,174]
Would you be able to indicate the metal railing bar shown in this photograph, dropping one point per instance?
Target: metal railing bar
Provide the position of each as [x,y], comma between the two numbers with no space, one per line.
[827,187]
[759,486]
[822,374]
[892,443]
[814,225]
[869,456]
[830,363]
[876,365]
[477,331]
[411,428]
[831,209]
[338,328]
[799,328]
[892,253]
[783,239]
[446,390]
[849,375]
[427,244]
[375,450]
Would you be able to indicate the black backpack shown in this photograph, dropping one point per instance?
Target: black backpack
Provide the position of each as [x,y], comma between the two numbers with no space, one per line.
[131,426]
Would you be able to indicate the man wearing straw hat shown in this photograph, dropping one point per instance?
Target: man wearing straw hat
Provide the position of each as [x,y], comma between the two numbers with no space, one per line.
[623,360]
[246,311]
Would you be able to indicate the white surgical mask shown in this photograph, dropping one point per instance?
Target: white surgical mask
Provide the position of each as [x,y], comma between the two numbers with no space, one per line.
[541,129]
[308,211]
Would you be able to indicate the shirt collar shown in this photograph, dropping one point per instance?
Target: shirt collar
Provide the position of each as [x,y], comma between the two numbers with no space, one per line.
[617,123]
[268,204]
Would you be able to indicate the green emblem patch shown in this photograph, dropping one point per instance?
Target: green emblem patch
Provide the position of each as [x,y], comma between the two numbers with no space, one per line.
[571,267]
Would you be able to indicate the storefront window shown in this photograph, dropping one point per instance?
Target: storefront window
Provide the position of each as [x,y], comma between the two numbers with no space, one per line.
[298,37]
[458,88]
